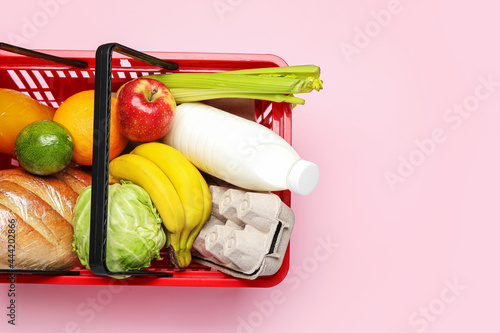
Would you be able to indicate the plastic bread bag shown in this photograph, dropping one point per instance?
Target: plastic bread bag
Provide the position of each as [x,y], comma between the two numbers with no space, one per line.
[35,220]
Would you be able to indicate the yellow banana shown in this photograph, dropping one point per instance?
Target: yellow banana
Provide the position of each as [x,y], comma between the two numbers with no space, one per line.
[207,209]
[146,174]
[185,254]
[185,178]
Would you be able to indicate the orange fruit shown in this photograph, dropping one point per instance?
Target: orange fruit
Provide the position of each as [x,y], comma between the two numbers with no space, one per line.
[77,114]
[18,110]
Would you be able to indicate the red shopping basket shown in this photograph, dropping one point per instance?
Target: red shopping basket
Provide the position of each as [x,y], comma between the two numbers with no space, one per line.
[52,76]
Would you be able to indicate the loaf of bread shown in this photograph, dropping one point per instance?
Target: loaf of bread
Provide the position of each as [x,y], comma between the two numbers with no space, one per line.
[36,214]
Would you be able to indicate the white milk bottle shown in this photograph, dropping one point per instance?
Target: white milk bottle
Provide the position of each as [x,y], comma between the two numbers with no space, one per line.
[239,151]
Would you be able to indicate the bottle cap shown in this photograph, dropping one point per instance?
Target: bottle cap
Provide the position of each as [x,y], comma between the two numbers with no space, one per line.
[303,177]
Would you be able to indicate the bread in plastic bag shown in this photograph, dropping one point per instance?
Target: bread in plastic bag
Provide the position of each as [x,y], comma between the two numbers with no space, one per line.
[35,219]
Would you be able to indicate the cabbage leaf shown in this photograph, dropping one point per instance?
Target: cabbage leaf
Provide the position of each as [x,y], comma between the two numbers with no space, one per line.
[135,233]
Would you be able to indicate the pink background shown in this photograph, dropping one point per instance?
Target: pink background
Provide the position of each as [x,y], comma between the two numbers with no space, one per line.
[405,132]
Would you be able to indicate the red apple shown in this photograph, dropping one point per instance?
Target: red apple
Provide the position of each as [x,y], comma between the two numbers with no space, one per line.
[145,110]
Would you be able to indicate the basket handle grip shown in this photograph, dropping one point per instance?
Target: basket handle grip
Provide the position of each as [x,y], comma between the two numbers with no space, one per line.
[39,55]
[100,155]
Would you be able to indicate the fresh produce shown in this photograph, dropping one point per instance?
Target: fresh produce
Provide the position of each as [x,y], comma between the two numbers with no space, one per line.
[44,147]
[17,110]
[77,115]
[190,187]
[145,110]
[207,209]
[177,189]
[135,234]
[149,176]
[276,84]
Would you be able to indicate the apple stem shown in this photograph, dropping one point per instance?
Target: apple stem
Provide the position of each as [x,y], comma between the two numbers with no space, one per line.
[153,92]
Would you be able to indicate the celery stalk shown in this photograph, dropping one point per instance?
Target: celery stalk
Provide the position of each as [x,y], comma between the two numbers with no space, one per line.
[309,73]
[275,84]
[301,72]
[186,95]
[235,82]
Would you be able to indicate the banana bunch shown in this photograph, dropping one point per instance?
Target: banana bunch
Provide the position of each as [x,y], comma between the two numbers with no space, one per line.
[176,187]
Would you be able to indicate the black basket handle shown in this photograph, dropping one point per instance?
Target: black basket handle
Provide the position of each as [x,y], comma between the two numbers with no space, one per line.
[100,155]
[39,55]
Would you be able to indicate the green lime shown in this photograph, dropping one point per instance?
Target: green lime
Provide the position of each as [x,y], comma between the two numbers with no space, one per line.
[44,147]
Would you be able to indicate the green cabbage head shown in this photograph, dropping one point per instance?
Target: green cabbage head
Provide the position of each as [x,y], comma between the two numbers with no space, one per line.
[135,234]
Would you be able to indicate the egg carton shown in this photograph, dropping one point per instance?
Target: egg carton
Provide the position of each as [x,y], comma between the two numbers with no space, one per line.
[247,233]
